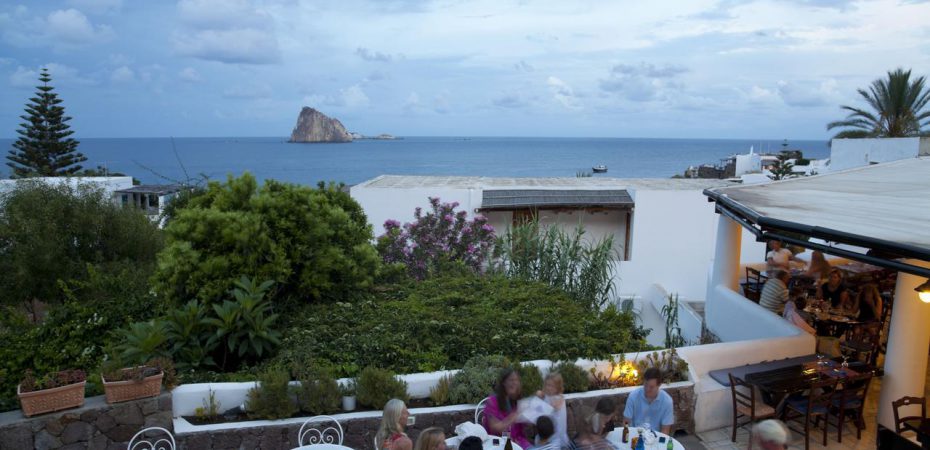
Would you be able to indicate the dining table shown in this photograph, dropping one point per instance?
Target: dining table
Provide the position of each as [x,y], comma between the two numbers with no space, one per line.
[659,440]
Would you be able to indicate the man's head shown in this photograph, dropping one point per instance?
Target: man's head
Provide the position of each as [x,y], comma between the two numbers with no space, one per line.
[652,379]
[782,275]
[775,245]
[770,435]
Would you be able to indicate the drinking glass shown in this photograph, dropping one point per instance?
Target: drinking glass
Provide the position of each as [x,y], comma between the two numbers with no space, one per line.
[820,358]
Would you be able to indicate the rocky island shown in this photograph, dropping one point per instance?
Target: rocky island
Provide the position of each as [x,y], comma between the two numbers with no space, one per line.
[314,126]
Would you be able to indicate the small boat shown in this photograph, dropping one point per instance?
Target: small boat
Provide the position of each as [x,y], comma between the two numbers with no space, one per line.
[600,168]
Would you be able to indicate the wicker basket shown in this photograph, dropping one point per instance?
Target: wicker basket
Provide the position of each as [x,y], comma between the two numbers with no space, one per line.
[123,391]
[54,399]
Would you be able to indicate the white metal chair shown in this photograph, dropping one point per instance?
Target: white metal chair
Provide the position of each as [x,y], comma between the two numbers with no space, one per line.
[308,435]
[479,411]
[162,443]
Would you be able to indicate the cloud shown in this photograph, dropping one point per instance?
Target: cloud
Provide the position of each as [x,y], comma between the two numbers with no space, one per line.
[232,32]
[523,66]
[62,29]
[190,75]
[98,6]
[351,97]
[809,94]
[510,100]
[563,93]
[61,75]
[24,77]
[441,104]
[369,55]
[252,91]
[122,74]
[642,83]
[412,104]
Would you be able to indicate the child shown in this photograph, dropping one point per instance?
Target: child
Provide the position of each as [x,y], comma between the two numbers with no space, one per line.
[552,393]
[471,443]
[544,433]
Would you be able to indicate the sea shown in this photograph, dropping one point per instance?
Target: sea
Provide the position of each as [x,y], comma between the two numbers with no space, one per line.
[170,160]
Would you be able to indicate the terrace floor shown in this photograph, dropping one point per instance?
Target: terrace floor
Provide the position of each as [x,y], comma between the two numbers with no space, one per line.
[720,438]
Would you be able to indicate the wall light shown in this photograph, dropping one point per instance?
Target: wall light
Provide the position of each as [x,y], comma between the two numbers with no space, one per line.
[923,291]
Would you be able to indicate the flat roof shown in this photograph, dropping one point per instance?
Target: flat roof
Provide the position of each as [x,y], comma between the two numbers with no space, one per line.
[882,207]
[463,182]
[509,199]
[159,189]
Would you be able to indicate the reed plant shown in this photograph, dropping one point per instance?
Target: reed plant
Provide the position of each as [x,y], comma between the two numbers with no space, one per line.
[563,259]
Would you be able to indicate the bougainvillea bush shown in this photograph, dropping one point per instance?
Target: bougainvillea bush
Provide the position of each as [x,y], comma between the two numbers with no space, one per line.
[440,235]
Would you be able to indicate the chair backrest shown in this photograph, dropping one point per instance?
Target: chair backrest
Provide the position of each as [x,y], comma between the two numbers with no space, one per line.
[821,394]
[479,411]
[907,401]
[753,286]
[316,430]
[855,388]
[739,396]
[867,332]
[164,442]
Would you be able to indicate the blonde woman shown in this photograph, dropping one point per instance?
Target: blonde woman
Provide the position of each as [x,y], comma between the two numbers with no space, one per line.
[554,394]
[391,434]
[870,303]
[431,439]
[819,268]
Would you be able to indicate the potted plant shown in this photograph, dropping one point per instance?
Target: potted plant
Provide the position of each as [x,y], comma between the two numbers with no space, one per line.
[121,384]
[348,395]
[53,392]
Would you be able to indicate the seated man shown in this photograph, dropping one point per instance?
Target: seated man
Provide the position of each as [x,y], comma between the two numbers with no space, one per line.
[775,292]
[650,405]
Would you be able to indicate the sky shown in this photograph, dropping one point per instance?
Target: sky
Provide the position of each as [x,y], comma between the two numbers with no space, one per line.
[677,69]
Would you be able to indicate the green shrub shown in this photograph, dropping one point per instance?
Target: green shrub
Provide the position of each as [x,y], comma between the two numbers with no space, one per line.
[477,378]
[270,398]
[319,393]
[440,393]
[574,378]
[315,242]
[376,386]
[530,379]
[443,321]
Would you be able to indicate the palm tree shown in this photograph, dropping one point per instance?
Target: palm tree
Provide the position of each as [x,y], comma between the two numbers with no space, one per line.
[898,109]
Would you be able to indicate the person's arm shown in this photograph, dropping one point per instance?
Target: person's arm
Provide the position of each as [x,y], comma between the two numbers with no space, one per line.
[628,412]
[668,419]
[500,425]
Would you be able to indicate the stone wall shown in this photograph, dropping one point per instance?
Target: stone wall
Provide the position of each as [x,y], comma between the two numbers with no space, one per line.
[359,433]
[96,425]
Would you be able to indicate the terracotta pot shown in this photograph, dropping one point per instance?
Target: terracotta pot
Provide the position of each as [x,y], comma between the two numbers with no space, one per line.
[123,391]
[49,400]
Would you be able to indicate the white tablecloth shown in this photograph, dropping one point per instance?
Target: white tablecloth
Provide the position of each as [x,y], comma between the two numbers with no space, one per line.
[614,437]
[454,441]
[323,447]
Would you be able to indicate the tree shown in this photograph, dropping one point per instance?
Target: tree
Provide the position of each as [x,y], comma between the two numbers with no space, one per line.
[50,234]
[782,168]
[314,243]
[897,105]
[44,147]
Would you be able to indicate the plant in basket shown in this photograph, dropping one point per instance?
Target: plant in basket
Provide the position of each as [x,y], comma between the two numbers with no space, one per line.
[122,383]
[52,392]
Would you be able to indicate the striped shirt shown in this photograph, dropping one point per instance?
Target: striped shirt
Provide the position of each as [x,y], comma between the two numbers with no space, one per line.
[774,295]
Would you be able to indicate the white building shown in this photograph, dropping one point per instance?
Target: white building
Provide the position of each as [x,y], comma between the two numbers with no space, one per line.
[108,184]
[660,226]
[150,198]
[849,153]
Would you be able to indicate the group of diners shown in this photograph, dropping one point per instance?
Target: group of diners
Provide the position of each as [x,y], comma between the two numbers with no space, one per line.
[827,284]
[647,407]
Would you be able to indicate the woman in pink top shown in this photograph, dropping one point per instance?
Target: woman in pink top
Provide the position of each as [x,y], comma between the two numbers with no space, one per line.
[500,411]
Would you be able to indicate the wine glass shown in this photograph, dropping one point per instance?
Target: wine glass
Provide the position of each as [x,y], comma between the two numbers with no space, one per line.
[820,358]
[646,427]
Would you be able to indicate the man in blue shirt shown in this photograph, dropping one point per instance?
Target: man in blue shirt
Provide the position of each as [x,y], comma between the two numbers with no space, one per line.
[650,404]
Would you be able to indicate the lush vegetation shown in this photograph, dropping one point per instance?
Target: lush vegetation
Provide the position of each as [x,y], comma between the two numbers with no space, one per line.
[897,107]
[44,147]
[313,242]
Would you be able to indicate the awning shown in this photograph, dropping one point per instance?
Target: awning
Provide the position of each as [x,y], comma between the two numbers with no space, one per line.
[511,199]
[883,208]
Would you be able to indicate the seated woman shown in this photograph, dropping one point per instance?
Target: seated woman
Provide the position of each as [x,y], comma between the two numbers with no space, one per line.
[500,410]
[589,424]
[869,302]
[391,434]
[834,289]
[431,438]
[819,268]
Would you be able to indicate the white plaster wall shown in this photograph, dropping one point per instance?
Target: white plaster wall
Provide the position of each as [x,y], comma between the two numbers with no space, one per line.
[381,204]
[849,153]
[672,243]
[747,163]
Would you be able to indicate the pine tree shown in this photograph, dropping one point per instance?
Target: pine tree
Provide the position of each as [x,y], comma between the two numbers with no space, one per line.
[44,147]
